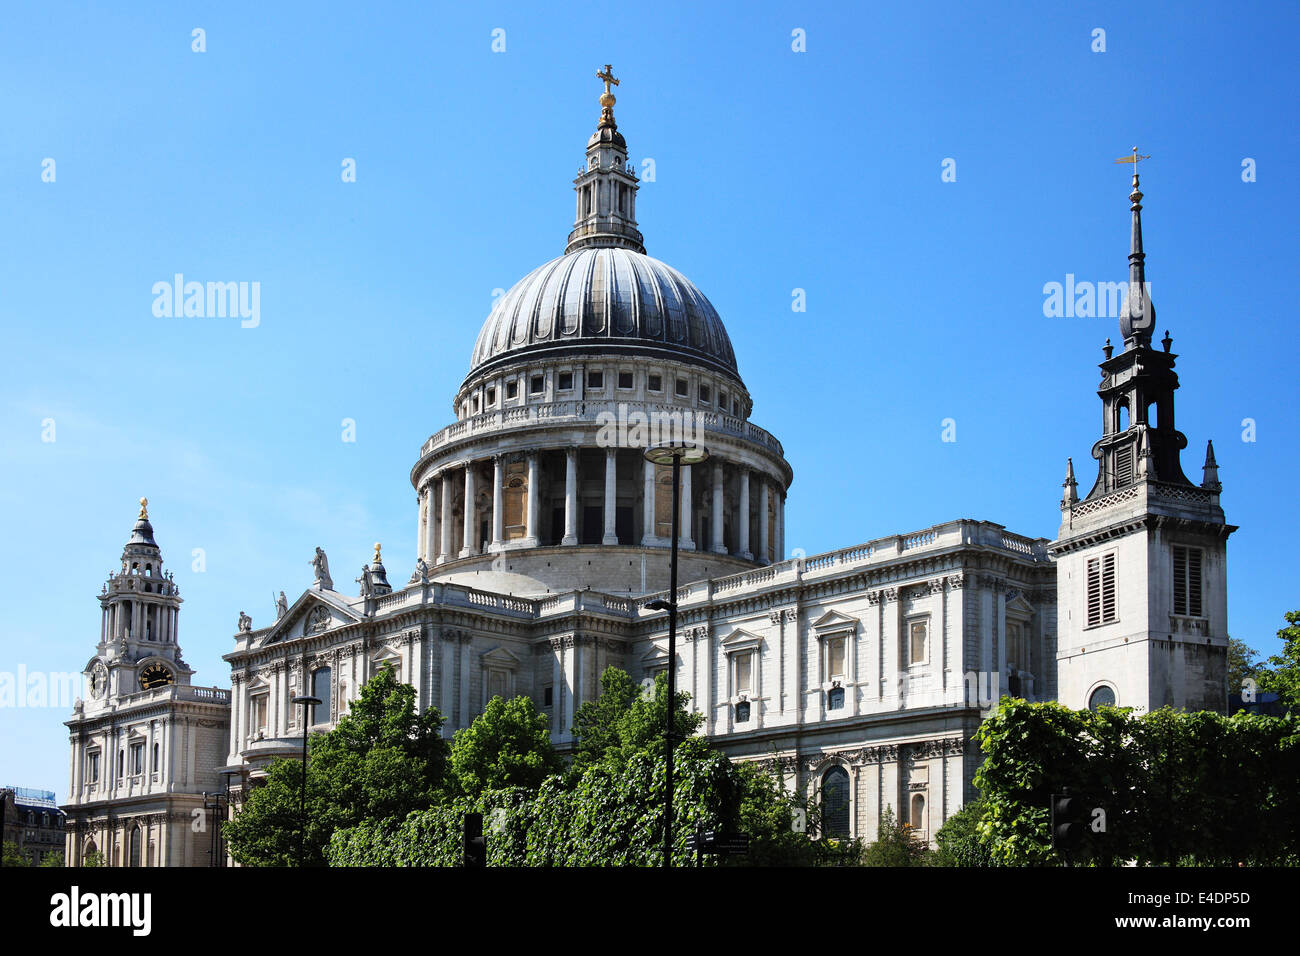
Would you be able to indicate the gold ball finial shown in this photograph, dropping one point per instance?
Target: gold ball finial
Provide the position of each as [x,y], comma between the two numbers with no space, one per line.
[377,560]
[144,508]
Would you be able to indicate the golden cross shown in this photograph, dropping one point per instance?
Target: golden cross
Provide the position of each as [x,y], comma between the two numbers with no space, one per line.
[608,77]
[1134,159]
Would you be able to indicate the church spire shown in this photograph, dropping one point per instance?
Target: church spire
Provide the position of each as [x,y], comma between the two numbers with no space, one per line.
[1210,481]
[1138,318]
[607,185]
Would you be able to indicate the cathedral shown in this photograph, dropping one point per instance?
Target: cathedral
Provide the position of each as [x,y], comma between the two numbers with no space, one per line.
[544,536]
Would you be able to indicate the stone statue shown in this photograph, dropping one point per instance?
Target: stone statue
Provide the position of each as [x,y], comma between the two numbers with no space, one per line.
[321,565]
[421,573]
[364,581]
[245,623]
[281,606]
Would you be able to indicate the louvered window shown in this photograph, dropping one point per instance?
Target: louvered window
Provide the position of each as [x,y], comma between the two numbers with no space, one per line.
[1187,581]
[1124,466]
[1101,589]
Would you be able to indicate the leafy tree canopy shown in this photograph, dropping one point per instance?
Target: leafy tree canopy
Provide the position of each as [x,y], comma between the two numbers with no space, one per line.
[508,745]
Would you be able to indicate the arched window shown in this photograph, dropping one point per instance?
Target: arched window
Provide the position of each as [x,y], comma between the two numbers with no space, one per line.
[835,802]
[320,688]
[134,853]
[1103,696]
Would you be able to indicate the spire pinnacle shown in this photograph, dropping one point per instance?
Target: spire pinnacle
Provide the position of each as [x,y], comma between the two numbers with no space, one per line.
[1138,318]
[377,558]
[1071,496]
[1211,482]
[144,509]
[607,99]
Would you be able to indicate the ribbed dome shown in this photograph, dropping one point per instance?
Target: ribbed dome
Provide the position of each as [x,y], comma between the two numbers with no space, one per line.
[604,299]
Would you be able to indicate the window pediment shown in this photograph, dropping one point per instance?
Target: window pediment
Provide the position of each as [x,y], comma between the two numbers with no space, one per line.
[741,640]
[833,621]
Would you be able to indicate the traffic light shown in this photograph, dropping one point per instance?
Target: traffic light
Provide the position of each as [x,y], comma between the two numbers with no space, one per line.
[475,845]
[1069,822]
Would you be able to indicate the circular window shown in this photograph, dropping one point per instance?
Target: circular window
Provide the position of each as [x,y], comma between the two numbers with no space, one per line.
[1103,696]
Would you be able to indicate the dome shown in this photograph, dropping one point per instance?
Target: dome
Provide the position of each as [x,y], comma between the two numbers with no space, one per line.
[604,299]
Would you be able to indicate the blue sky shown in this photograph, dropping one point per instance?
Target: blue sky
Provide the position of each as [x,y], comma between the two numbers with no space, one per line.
[775,170]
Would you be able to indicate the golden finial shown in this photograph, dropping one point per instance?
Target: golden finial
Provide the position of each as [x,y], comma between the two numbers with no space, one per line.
[144,509]
[377,561]
[607,98]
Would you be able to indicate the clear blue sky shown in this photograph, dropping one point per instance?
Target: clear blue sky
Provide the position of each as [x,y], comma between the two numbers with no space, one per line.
[775,170]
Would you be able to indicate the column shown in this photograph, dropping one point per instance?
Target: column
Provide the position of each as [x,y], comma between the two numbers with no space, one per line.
[534,501]
[744,515]
[498,513]
[444,551]
[719,545]
[420,522]
[687,530]
[648,537]
[611,492]
[570,497]
[764,552]
[471,532]
[780,526]
[430,525]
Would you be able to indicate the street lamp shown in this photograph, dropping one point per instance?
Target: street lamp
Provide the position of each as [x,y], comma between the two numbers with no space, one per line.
[307,701]
[675,454]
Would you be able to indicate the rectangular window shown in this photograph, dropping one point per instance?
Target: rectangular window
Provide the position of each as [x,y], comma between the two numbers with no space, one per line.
[512,389]
[137,759]
[536,384]
[655,383]
[491,397]
[476,404]
[835,657]
[566,381]
[1124,466]
[595,379]
[259,712]
[1187,581]
[624,379]
[1101,589]
[704,394]
[835,698]
[744,673]
[548,700]
[682,387]
[92,767]
[918,641]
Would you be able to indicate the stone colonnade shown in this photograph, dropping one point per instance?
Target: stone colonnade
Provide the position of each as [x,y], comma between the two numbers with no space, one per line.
[609,496]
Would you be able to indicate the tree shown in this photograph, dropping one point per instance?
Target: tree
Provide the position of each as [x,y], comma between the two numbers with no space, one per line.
[12,856]
[623,720]
[508,745]
[959,841]
[1243,665]
[93,859]
[895,845]
[1282,675]
[382,761]
[52,860]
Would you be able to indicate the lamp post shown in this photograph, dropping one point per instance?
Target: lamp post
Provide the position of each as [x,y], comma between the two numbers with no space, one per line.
[307,701]
[675,454]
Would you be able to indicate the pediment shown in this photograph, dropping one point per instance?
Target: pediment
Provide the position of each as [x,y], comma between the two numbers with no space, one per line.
[499,657]
[657,654]
[741,639]
[1019,607]
[835,621]
[315,612]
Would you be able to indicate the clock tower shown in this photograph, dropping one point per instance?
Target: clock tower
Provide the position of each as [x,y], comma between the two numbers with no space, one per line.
[141,738]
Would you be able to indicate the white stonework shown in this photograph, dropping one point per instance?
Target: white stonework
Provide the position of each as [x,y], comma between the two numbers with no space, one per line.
[540,543]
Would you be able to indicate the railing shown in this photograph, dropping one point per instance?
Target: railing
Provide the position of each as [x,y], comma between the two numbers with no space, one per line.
[585,411]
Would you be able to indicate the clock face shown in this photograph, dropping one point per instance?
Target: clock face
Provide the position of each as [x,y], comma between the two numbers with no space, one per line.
[98,681]
[155,675]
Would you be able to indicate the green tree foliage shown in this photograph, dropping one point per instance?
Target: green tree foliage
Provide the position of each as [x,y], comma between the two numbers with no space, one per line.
[1174,786]
[53,860]
[959,842]
[1243,665]
[93,859]
[606,811]
[624,720]
[382,761]
[508,745]
[1282,673]
[12,856]
[895,845]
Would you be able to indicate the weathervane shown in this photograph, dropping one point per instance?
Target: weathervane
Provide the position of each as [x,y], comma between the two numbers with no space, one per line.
[1134,159]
